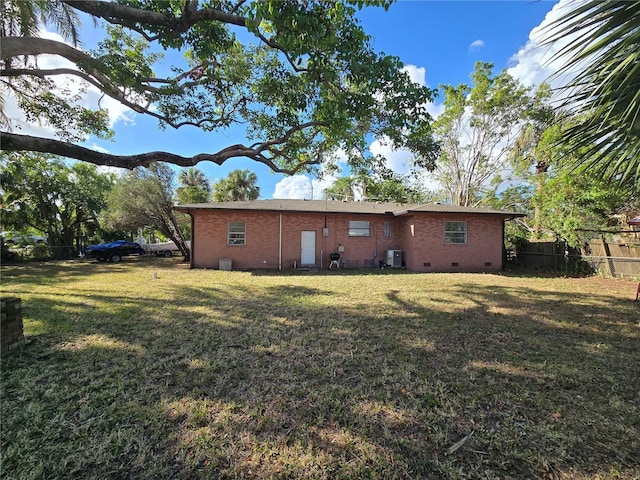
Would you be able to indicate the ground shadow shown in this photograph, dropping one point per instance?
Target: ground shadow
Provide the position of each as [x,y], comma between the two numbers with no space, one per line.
[258,380]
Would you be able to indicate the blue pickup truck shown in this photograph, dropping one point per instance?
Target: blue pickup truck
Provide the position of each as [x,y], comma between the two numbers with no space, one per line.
[113,251]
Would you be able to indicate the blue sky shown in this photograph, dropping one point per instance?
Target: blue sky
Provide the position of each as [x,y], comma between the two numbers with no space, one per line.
[448,37]
[438,41]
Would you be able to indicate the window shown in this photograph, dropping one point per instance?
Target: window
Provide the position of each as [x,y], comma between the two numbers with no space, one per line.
[387,229]
[358,228]
[455,232]
[236,233]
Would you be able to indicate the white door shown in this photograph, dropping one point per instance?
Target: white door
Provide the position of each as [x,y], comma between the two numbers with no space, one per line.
[308,248]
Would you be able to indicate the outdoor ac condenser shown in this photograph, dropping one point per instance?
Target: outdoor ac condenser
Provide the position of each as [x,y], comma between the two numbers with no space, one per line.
[394,258]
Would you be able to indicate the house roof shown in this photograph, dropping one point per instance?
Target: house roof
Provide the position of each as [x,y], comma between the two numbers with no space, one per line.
[324,206]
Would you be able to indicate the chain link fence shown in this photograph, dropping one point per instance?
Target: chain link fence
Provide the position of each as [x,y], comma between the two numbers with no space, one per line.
[615,266]
[39,252]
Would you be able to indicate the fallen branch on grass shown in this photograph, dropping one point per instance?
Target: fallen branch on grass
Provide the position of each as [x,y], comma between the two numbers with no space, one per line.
[459,444]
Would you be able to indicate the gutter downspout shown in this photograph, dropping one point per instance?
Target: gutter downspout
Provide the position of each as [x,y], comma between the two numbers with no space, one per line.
[280,246]
[504,247]
[193,240]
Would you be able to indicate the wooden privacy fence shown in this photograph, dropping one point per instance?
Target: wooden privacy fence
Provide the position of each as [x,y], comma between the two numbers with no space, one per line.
[548,256]
[617,259]
[614,258]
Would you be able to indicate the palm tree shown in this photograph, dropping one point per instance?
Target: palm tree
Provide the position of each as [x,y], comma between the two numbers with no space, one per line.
[23,18]
[239,185]
[194,187]
[605,46]
[192,177]
[343,188]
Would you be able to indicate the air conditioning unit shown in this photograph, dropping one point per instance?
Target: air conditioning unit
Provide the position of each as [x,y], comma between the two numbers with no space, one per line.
[394,258]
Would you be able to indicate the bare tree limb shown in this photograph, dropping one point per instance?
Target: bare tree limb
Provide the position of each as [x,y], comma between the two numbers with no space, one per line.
[43,73]
[289,133]
[116,13]
[130,16]
[30,46]
[17,46]
[237,6]
[15,142]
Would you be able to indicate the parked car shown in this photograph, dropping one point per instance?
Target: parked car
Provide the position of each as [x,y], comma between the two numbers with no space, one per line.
[18,239]
[113,251]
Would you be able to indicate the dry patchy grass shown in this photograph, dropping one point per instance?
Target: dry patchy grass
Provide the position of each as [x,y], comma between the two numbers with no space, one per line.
[208,374]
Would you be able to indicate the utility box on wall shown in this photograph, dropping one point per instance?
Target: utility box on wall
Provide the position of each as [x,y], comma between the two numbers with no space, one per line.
[224,264]
[394,258]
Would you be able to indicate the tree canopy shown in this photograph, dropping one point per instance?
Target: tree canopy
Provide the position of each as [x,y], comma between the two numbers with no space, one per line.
[562,200]
[388,188]
[302,77]
[44,193]
[143,197]
[477,131]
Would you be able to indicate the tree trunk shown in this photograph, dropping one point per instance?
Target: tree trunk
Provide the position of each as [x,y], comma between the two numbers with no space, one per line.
[541,168]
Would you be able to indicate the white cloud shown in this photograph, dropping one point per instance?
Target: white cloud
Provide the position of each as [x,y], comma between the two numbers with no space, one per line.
[435,109]
[536,63]
[295,187]
[301,186]
[476,45]
[397,160]
[117,111]
[417,74]
[92,97]
[320,185]
[340,158]
[114,170]
[427,181]
[18,121]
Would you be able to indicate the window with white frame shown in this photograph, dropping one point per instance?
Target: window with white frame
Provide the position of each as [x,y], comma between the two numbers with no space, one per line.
[359,228]
[455,232]
[237,233]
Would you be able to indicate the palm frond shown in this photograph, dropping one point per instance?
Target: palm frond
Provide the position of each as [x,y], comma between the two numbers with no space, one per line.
[24,18]
[605,49]
[62,17]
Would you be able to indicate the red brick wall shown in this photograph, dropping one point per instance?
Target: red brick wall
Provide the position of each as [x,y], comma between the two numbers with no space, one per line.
[263,232]
[425,244]
[421,237]
[210,240]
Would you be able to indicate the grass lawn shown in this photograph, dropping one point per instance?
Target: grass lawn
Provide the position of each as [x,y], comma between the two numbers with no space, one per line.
[347,375]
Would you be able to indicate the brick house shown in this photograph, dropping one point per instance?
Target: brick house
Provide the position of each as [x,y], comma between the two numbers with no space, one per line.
[283,234]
